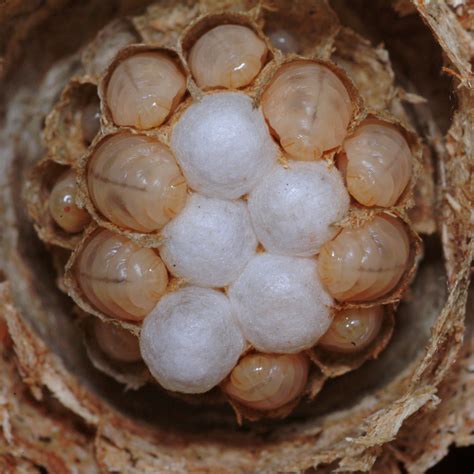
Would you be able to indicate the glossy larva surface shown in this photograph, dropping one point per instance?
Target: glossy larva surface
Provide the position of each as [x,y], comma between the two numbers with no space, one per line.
[223,145]
[267,381]
[62,206]
[90,120]
[119,278]
[228,56]
[191,341]
[135,182]
[379,164]
[308,108]
[116,343]
[353,329]
[280,304]
[210,242]
[284,41]
[366,263]
[294,209]
[144,89]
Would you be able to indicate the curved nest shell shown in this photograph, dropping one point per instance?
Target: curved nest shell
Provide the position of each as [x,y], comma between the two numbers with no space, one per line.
[333,364]
[63,133]
[36,193]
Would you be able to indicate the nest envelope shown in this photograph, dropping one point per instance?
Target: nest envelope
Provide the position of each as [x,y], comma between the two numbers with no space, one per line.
[395,386]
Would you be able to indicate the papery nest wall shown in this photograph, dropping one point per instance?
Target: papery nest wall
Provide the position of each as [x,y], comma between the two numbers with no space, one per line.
[347,431]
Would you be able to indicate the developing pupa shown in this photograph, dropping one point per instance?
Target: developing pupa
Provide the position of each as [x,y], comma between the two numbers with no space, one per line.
[353,329]
[144,89]
[267,381]
[308,108]
[366,263]
[62,206]
[377,162]
[119,278]
[228,56]
[135,182]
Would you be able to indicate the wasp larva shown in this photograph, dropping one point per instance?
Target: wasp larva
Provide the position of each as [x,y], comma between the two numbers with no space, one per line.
[144,89]
[379,164]
[135,182]
[228,56]
[62,206]
[267,381]
[116,343]
[308,108]
[365,263]
[90,120]
[353,329]
[119,278]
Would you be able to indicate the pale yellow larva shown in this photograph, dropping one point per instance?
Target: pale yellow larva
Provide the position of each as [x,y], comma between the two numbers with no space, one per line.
[119,278]
[267,381]
[379,164]
[366,263]
[308,107]
[228,56]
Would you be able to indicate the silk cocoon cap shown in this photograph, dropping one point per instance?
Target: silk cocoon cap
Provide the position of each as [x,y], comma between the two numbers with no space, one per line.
[209,242]
[191,341]
[223,145]
[293,209]
[280,303]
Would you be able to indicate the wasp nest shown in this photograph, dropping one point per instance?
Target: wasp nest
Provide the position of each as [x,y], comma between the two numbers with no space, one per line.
[235,206]
[230,194]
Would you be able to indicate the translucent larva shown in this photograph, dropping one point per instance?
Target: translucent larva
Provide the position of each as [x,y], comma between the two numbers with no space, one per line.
[379,164]
[144,90]
[267,381]
[118,277]
[284,41]
[62,207]
[228,56]
[116,343]
[308,108]
[353,329]
[366,263]
[90,120]
[135,182]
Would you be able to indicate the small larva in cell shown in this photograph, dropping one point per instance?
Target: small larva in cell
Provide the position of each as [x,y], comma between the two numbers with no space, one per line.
[267,381]
[228,56]
[135,182]
[116,343]
[62,207]
[144,89]
[353,329]
[379,164]
[284,41]
[308,108]
[119,278]
[90,120]
[366,263]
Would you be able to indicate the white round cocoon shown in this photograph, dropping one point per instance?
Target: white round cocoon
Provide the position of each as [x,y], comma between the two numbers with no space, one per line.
[209,242]
[293,209]
[191,341]
[280,303]
[223,145]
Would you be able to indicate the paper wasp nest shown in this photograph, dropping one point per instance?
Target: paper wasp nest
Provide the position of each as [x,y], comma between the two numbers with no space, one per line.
[234,201]
[248,197]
